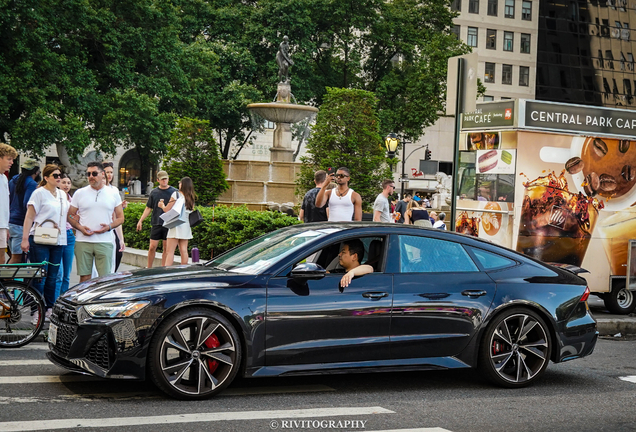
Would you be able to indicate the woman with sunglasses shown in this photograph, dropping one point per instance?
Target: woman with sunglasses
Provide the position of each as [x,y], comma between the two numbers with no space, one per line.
[180,235]
[48,206]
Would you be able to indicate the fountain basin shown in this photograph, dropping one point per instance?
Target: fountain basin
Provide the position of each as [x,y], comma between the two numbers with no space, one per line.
[279,112]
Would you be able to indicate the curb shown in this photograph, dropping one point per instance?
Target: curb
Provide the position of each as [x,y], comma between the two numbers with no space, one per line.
[612,326]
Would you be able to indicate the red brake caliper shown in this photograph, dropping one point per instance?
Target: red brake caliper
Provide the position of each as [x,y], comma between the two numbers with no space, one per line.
[496,347]
[212,342]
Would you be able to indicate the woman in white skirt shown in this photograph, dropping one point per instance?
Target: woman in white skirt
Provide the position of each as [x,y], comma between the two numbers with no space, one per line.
[180,234]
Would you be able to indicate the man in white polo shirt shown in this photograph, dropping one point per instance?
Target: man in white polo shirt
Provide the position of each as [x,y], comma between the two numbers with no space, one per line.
[91,214]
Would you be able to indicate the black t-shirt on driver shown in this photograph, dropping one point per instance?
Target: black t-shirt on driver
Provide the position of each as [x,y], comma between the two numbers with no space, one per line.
[157,195]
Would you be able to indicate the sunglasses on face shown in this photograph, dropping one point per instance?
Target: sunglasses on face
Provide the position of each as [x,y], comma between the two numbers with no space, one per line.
[56,176]
[92,173]
[341,175]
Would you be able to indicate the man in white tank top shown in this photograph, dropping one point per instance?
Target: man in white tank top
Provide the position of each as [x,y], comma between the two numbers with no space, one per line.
[343,204]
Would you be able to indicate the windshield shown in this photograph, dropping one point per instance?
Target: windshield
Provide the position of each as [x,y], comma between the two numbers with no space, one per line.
[255,256]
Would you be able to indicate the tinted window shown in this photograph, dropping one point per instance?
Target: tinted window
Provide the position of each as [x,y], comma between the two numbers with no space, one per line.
[491,261]
[427,255]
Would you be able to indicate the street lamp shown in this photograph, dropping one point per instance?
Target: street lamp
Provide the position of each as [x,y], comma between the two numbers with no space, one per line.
[391,143]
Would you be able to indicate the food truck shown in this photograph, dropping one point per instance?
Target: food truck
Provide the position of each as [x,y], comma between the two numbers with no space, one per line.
[556,182]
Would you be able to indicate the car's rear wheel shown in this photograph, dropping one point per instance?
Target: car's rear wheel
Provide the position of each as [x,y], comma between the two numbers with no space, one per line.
[194,354]
[516,348]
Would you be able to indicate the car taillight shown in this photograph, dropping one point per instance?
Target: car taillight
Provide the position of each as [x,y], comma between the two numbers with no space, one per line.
[586,294]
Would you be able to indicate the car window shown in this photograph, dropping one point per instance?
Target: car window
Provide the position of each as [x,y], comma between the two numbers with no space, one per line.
[428,255]
[328,256]
[492,261]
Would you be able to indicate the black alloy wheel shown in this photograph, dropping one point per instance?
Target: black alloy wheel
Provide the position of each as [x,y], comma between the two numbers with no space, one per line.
[194,354]
[516,348]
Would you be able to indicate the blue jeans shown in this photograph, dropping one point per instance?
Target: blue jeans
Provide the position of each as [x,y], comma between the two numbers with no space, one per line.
[64,275]
[53,255]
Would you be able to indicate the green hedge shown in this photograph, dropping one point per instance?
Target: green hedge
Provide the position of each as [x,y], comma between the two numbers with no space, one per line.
[231,226]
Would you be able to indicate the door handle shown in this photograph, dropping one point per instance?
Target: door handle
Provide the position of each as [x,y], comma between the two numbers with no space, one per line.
[375,295]
[434,296]
[474,293]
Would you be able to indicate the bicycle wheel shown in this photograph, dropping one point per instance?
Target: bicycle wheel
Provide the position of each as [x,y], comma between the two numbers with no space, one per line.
[21,316]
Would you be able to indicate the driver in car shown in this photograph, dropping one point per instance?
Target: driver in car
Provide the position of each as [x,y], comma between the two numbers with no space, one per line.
[351,254]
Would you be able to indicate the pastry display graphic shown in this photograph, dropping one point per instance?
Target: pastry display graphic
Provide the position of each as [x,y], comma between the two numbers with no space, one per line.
[482,140]
[506,157]
[488,161]
[467,225]
[491,222]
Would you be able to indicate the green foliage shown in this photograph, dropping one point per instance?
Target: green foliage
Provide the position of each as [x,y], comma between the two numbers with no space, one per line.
[346,133]
[223,227]
[193,153]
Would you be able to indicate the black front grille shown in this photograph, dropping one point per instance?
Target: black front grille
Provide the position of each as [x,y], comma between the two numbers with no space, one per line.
[65,336]
[99,353]
[64,317]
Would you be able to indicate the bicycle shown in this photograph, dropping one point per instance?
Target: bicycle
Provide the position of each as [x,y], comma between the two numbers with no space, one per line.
[22,306]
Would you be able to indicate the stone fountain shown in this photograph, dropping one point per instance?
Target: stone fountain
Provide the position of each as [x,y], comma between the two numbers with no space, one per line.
[283,112]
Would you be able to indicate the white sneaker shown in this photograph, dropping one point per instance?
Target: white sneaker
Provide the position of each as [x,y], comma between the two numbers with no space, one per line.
[47,315]
[35,318]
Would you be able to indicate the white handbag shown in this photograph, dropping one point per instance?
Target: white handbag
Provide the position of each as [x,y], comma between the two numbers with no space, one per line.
[46,235]
[176,215]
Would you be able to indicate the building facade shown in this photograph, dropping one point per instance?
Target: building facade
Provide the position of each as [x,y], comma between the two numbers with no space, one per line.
[586,52]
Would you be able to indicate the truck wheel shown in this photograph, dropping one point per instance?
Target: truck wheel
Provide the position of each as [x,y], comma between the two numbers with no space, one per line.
[621,300]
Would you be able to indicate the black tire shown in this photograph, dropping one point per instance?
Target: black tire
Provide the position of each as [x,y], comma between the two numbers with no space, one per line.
[621,300]
[24,318]
[181,364]
[515,349]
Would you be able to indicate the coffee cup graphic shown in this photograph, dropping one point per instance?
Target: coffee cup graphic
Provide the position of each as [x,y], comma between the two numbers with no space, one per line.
[601,167]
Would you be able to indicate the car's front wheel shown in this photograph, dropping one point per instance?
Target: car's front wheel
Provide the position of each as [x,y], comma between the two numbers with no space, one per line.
[194,354]
[516,348]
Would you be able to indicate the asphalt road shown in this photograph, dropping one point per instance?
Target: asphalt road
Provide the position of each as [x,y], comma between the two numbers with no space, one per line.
[582,395]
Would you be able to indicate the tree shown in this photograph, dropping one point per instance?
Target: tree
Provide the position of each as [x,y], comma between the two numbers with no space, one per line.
[346,133]
[193,153]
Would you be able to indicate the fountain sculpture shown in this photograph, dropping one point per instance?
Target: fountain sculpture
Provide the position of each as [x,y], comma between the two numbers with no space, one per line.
[283,112]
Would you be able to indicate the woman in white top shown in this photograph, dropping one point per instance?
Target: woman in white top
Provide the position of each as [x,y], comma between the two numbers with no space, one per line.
[180,234]
[48,207]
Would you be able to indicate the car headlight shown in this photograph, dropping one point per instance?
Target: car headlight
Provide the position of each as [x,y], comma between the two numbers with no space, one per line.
[115,310]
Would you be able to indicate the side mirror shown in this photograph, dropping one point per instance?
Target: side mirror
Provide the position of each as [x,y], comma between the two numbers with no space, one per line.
[308,271]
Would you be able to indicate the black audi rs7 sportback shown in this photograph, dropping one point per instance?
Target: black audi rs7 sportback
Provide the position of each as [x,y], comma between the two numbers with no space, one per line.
[275,306]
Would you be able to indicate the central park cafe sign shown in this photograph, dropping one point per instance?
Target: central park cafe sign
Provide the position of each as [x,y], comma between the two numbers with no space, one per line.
[576,118]
[547,116]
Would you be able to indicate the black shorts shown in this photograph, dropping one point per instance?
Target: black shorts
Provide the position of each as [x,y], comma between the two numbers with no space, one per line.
[158,232]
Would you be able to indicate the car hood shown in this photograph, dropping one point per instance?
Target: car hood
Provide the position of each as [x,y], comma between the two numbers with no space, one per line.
[143,283]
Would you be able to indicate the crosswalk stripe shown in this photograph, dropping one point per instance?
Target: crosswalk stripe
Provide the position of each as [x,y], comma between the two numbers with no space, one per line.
[433,429]
[629,378]
[38,379]
[50,424]
[24,362]
[29,347]
[81,397]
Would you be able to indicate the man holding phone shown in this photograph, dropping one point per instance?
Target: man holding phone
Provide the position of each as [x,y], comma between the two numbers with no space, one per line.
[309,212]
[344,204]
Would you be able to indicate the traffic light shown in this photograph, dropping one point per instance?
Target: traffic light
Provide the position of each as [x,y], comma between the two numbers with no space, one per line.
[427,155]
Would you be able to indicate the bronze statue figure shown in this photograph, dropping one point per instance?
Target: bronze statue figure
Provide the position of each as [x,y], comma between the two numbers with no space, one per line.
[283,60]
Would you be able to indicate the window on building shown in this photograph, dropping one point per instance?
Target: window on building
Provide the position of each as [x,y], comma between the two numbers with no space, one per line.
[492,7]
[627,87]
[457,31]
[524,76]
[473,6]
[489,74]
[471,40]
[506,74]
[630,62]
[525,43]
[488,98]
[618,24]
[615,86]
[456,5]
[505,98]
[508,41]
[491,39]
[606,86]
[526,10]
[623,61]
[610,58]
[509,10]
[601,63]
[269,125]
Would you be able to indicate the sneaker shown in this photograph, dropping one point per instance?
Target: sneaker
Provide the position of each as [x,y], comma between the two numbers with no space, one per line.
[35,318]
[47,315]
